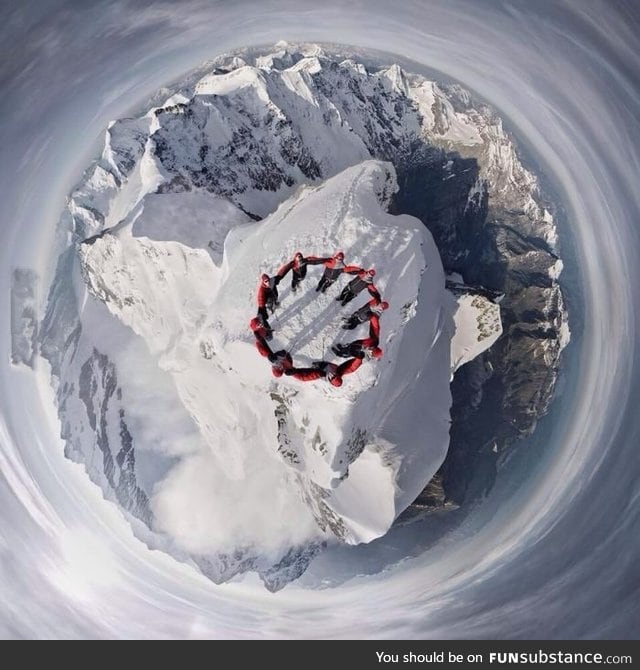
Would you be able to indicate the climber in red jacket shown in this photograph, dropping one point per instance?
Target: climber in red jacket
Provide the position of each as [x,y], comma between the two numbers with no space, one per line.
[333,268]
[267,296]
[366,347]
[281,363]
[369,309]
[332,372]
[298,266]
[262,334]
[364,279]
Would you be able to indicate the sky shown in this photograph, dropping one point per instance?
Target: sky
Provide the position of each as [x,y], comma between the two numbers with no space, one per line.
[555,555]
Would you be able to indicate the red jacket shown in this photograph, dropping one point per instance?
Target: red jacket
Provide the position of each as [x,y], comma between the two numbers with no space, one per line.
[345,368]
[263,294]
[374,292]
[283,269]
[334,264]
[374,326]
[260,331]
[348,367]
[370,342]
[281,364]
[308,374]
[262,347]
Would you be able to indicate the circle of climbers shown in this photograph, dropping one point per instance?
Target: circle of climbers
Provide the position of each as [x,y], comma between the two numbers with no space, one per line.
[355,352]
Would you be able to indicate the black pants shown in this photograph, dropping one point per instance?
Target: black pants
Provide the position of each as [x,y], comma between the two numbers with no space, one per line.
[298,276]
[347,295]
[352,350]
[264,317]
[272,300]
[328,277]
[351,323]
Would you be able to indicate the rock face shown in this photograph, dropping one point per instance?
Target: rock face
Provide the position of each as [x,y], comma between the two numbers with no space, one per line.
[485,213]
[102,397]
[24,319]
[234,145]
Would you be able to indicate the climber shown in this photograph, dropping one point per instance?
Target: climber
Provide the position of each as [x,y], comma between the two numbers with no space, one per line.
[332,372]
[366,347]
[333,268]
[261,316]
[267,296]
[259,329]
[371,308]
[298,266]
[262,334]
[364,279]
[358,349]
[281,363]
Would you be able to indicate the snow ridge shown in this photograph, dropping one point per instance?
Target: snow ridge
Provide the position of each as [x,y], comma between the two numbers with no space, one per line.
[333,442]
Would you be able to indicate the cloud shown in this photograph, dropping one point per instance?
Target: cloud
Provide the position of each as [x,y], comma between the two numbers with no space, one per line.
[557,557]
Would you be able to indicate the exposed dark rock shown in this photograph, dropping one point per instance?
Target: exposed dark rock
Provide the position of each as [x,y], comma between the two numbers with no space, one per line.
[290,566]
[498,398]
[99,391]
[432,498]
[24,318]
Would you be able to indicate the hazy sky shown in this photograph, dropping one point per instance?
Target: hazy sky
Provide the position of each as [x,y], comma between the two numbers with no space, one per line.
[556,558]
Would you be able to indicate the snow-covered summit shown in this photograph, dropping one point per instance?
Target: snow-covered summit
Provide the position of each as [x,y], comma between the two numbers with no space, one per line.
[161,391]
[255,126]
[350,458]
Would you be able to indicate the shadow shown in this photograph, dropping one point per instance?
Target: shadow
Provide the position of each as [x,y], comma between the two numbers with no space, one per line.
[434,186]
[333,313]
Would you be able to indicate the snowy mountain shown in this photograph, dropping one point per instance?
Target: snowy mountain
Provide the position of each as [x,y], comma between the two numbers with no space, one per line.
[161,392]
[252,125]
[338,455]
[24,316]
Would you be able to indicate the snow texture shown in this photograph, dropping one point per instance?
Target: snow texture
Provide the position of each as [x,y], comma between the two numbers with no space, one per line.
[24,317]
[350,458]
[477,327]
[161,391]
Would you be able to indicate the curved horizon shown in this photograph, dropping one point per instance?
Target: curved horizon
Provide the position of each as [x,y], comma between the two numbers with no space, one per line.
[551,552]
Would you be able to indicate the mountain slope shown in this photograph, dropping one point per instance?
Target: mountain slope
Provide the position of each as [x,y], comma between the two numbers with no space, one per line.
[164,284]
[356,466]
